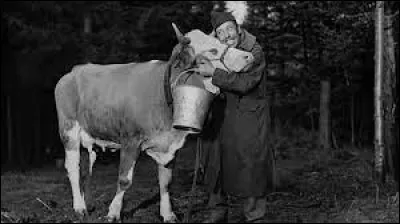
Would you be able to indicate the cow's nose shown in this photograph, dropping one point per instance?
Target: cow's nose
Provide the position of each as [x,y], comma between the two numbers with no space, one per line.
[250,57]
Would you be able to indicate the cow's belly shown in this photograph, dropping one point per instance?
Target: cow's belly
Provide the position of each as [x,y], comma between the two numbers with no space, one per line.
[88,141]
[102,124]
[161,145]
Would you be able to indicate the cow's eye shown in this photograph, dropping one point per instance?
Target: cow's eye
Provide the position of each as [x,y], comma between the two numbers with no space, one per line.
[214,51]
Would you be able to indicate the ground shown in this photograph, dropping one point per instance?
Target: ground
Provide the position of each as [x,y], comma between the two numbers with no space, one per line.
[314,186]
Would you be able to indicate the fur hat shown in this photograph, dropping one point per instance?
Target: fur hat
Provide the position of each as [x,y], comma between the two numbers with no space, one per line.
[218,18]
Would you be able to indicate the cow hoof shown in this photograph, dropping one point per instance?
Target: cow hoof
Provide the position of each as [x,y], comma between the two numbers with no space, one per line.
[171,219]
[113,219]
[81,213]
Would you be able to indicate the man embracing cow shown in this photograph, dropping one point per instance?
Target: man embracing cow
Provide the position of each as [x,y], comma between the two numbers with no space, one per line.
[125,106]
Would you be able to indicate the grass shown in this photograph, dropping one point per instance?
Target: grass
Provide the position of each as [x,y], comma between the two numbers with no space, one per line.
[314,186]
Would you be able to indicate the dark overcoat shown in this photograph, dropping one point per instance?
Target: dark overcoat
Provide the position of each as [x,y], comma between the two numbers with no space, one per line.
[237,156]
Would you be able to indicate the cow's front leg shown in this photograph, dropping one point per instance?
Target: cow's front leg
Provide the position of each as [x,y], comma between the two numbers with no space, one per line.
[72,158]
[128,159]
[164,178]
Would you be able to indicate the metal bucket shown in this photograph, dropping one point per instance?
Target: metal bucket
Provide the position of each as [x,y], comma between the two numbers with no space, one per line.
[191,105]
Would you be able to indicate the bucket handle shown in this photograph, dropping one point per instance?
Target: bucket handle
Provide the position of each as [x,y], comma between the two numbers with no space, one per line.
[173,85]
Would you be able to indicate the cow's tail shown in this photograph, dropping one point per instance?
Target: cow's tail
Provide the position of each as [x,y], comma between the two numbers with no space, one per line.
[67,101]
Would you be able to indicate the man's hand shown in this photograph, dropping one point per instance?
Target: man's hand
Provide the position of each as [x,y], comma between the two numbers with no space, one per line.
[205,69]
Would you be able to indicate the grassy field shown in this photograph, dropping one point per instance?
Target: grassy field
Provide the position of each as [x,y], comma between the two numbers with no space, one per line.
[314,186]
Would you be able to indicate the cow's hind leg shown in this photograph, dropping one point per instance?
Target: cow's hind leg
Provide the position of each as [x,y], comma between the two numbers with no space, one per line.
[128,157]
[164,178]
[72,158]
[88,158]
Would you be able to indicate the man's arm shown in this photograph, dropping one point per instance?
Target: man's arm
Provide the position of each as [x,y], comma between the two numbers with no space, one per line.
[242,82]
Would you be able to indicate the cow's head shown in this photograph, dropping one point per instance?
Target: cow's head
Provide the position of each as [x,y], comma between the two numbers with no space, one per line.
[197,44]
[211,48]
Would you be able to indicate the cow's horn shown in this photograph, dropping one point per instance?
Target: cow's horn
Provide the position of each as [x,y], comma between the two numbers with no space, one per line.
[177,32]
[182,39]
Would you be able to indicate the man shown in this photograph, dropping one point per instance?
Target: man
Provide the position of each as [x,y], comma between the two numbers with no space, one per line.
[239,161]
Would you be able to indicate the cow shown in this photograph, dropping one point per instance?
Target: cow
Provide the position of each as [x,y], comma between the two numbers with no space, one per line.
[125,107]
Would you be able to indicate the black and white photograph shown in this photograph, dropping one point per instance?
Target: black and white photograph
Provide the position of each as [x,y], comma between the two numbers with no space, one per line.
[199,111]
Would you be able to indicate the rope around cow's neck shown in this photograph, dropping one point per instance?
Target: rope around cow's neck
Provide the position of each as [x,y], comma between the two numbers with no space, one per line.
[173,85]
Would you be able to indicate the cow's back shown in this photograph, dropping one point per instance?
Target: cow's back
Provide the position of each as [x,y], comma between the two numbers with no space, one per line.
[112,101]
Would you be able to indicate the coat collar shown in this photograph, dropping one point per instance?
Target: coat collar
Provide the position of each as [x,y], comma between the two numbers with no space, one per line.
[247,40]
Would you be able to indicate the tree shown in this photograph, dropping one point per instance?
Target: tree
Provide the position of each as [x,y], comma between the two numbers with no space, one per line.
[388,95]
[313,43]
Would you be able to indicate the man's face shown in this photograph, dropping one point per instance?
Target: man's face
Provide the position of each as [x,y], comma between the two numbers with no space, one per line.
[228,33]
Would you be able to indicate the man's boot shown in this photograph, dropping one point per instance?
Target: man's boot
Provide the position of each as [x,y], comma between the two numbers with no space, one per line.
[254,209]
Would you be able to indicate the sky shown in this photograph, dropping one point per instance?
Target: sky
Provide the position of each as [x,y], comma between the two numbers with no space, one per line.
[238,8]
